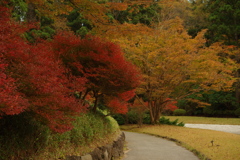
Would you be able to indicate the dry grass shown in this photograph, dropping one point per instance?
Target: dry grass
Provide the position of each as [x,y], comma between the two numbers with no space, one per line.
[205,120]
[226,146]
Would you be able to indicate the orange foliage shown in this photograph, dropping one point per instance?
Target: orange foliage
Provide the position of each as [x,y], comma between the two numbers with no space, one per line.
[117,6]
[173,64]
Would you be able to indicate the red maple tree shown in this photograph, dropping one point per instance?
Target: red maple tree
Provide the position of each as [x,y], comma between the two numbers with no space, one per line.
[54,88]
[33,79]
[43,78]
[11,100]
[101,62]
[119,103]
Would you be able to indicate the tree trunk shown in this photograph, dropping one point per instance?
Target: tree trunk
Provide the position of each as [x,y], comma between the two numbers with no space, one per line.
[140,119]
[154,112]
[156,109]
[151,112]
[237,89]
[95,93]
[31,14]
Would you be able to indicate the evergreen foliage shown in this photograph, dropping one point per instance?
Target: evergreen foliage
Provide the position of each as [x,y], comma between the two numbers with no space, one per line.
[138,14]
[78,24]
[237,112]
[20,9]
[225,21]
[179,112]
[167,121]
[45,31]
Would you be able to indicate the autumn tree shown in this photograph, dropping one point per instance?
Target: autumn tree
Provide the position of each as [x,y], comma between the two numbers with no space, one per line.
[174,65]
[34,80]
[174,8]
[12,101]
[170,106]
[224,27]
[119,103]
[102,63]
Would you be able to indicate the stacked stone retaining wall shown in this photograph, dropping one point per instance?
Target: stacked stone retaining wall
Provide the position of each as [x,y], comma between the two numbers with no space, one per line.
[111,151]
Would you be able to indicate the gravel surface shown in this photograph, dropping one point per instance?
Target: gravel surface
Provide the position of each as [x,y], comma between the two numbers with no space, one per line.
[224,128]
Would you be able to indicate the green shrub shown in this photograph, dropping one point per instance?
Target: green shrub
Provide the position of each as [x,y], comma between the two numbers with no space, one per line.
[237,112]
[179,112]
[164,120]
[211,111]
[21,135]
[111,125]
[132,117]
[181,124]
[146,118]
[229,113]
[91,126]
[119,118]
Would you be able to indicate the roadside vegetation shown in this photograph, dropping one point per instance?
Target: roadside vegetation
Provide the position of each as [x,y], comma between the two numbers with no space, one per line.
[29,139]
[63,60]
[206,144]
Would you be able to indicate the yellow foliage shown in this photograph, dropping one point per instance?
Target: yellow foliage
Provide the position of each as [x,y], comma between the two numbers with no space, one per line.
[172,62]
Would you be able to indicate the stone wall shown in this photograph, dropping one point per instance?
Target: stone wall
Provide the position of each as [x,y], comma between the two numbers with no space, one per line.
[111,151]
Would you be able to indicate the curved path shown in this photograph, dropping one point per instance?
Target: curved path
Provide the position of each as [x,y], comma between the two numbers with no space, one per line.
[147,147]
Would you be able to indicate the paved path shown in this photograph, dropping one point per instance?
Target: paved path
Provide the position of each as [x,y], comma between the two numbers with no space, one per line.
[224,128]
[147,147]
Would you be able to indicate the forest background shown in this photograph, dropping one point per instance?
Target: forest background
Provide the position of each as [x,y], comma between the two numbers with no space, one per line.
[65,58]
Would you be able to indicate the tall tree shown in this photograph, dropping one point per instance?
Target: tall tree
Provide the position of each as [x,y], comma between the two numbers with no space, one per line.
[34,80]
[12,101]
[174,65]
[198,18]
[224,21]
[225,26]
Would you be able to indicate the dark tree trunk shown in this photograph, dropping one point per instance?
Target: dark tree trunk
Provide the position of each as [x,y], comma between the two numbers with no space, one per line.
[95,93]
[31,14]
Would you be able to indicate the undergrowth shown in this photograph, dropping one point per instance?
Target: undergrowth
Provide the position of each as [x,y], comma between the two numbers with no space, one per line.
[167,121]
[24,138]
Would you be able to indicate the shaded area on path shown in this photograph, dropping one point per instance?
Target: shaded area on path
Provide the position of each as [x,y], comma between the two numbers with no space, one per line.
[147,147]
[217,127]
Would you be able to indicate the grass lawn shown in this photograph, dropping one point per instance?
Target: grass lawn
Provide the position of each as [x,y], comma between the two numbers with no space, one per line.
[226,146]
[205,120]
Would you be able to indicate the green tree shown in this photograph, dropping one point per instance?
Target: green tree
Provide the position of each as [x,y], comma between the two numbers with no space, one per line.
[20,9]
[45,31]
[224,21]
[138,13]
[198,18]
[78,24]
